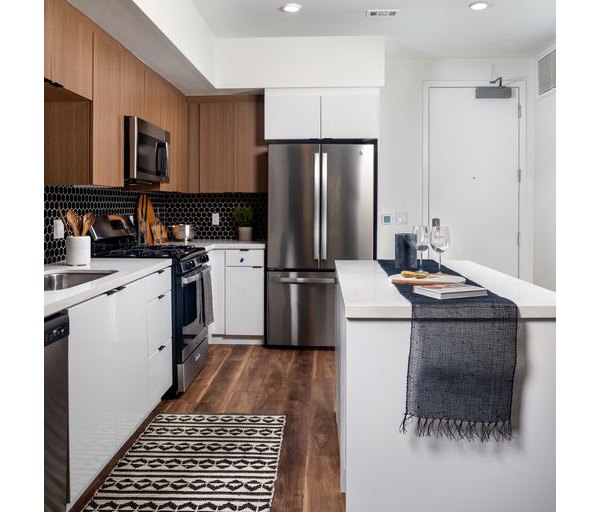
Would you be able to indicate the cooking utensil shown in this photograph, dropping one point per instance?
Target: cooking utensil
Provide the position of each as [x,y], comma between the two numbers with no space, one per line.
[184,232]
[73,220]
[64,221]
[88,221]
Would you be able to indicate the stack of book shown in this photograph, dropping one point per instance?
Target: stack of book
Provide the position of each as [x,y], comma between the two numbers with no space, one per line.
[450,291]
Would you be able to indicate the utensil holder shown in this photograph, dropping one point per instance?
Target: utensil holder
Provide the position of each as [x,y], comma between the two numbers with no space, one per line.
[406,251]
[79,250]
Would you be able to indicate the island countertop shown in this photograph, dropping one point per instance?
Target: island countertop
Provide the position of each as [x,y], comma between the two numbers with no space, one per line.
[367,292]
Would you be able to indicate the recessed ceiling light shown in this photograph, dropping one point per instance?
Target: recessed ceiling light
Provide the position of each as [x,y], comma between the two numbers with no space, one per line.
[290,8]
[479,6]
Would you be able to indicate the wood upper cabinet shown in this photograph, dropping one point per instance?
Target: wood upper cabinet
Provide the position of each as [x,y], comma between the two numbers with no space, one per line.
[132,86]
[215,130]
[107,125]
[152,97]
[250,167]
[226,145]
[68,39]
[193,150]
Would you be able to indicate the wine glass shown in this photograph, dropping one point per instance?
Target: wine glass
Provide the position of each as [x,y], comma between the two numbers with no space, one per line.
[422,242]
[440,241]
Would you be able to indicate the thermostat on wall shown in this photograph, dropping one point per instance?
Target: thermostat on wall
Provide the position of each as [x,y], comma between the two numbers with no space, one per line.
[386,218]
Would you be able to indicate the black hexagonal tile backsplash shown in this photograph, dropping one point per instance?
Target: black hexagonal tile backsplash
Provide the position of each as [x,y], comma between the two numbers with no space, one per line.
[169,207]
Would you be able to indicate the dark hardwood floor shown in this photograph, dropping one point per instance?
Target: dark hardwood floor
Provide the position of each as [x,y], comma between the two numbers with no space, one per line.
[297,383]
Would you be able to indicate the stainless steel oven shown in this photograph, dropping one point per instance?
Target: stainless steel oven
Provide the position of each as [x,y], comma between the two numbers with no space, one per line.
[193,309]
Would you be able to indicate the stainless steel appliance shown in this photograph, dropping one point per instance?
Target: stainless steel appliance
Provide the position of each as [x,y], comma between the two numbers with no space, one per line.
[113,236]
[321,209]
[56,413]
[146,152]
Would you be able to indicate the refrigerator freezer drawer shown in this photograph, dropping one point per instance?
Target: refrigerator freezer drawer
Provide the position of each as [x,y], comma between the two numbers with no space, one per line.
[301,309]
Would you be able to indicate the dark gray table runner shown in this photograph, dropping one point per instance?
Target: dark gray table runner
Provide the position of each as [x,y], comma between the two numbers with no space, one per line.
[461,366]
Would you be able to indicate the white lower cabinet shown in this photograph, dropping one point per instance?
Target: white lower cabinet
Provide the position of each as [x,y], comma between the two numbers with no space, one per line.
[160,373]
[120,365]
[216,260]
[92,414]
[244,301]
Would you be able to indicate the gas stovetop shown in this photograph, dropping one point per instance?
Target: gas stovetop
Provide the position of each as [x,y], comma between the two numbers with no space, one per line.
[152,251]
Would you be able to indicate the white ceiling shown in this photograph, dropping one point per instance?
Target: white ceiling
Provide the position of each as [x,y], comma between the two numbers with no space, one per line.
[434,28]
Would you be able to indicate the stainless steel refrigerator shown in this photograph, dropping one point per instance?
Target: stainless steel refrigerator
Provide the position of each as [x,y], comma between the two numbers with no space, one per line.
[321,209]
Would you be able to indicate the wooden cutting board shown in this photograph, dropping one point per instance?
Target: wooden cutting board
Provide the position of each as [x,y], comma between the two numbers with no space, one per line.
[431,279]
[142,218]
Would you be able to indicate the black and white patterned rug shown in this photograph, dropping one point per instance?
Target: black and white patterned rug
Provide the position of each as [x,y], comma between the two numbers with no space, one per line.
[196,463]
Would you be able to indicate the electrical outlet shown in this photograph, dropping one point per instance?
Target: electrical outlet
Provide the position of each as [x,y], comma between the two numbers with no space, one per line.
[215,219]
[401,217]
[386,218]
[59,229]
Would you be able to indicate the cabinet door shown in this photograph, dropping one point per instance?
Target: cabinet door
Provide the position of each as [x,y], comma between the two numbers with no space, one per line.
[249,147]
[350,115]
[292,116]
[193,149]
[175,121]
[132,86]
[152,97]
[216,142]
[160,373]
[244,298]
[130,358]
[216,260]
[159,322]
[107,126]
[92,433]
[71,48]
[48,38]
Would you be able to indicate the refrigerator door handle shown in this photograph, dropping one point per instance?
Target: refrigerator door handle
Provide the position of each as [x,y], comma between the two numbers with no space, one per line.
[305,280]
[324,209]
[316,201]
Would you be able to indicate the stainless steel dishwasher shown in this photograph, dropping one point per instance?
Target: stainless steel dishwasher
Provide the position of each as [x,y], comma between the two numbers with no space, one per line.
[56,413]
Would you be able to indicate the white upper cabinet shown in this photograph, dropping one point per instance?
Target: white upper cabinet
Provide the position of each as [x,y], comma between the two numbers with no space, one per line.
[349,113]
[292,116]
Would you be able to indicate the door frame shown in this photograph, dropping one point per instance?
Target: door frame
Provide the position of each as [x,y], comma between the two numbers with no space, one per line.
[523,215]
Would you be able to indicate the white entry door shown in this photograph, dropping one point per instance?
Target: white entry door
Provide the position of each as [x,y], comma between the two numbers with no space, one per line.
[473,175]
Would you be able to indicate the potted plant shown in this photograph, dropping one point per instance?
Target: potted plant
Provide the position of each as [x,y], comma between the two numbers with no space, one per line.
[242,216]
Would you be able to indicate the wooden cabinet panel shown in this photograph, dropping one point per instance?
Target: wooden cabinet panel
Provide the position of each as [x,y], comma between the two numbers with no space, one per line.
[132,86]
[216,148]
[249,148]
[193,153]
[107,126]
[70,38]
[48,22]
[152,97]
[168,121]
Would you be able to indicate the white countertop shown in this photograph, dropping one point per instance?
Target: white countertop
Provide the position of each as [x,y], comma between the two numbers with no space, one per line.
[210,245]
[368,293]
[128,270]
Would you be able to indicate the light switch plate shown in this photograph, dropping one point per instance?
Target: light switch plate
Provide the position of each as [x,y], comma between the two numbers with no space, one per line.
[401,217]
[215,219]
[386,218]
[59,229]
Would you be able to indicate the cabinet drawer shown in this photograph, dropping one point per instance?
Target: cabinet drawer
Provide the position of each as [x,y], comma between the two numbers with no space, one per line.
[158,283]
[159,322]
[160,373]
[245,258]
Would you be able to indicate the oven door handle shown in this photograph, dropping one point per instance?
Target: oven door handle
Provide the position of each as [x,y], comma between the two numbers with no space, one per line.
[192,278]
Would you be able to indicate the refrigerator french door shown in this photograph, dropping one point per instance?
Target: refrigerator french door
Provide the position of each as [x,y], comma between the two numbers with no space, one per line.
[321,209]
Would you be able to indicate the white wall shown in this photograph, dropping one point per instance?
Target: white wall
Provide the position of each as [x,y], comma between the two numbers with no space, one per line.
[266,62]
[544,269]
[401,142]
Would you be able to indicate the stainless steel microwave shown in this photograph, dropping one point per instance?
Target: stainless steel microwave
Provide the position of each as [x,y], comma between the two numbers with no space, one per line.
[147,149]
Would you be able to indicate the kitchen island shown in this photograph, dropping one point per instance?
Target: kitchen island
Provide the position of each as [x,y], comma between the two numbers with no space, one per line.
[383,469]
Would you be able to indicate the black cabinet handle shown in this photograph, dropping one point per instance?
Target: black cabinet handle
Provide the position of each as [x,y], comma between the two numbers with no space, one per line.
[161,271]
[161,296]
[162,347]
[115,290]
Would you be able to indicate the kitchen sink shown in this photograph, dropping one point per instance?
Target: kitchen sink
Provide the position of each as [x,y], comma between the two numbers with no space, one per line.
[63,280]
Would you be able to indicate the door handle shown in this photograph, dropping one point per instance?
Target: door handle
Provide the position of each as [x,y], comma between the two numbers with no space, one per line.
[316,206]
[324,210]
[306,280]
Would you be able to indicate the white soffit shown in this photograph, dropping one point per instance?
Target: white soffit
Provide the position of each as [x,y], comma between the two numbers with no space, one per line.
[429,28]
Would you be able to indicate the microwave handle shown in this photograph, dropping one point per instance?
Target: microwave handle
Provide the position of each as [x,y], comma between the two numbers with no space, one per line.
[161,171]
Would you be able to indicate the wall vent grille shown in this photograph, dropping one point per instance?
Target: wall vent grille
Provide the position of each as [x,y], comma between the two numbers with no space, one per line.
[386,13]
[547,73]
